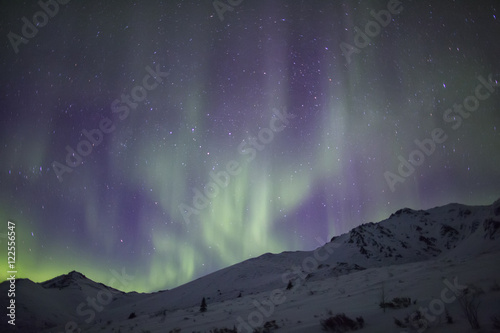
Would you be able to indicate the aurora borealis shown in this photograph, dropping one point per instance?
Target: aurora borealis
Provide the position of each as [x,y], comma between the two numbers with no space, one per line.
[180,95]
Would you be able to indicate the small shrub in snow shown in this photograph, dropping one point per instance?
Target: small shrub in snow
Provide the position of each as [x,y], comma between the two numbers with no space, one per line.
[496,322]
[399,323]
[203,306]
[175,330]
[271,324]
[131,315]
[341,323]
[396,303]
[290,285]
[269,327]
[414,320]
[469,302]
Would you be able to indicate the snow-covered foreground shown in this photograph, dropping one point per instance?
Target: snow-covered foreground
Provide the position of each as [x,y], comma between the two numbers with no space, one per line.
[355,294]
[427,256]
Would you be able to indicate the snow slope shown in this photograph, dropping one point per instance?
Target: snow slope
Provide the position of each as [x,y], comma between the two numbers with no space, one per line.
[415,254]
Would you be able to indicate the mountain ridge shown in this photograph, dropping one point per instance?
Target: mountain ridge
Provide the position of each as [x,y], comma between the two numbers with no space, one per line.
[449,232]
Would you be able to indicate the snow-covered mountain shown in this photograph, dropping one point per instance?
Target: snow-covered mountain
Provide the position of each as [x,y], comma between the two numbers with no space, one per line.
[413,254]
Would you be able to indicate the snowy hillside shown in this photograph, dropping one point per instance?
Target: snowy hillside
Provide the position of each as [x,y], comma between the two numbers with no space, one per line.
[412,254]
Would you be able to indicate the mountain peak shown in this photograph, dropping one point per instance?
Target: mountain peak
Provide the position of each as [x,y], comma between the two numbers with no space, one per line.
[76,275]
[64,280]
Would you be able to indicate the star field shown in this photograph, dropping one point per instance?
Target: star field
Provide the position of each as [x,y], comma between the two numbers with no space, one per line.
[179,94]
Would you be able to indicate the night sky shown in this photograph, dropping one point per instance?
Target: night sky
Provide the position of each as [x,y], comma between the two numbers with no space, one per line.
[285,122]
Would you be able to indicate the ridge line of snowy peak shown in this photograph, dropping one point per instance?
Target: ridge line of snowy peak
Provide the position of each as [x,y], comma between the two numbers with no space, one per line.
[64,280]
[76,280]
[406,236]
[413,235]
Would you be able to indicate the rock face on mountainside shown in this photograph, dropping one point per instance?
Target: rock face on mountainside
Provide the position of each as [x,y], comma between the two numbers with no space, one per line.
[451,232]
[410,235]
